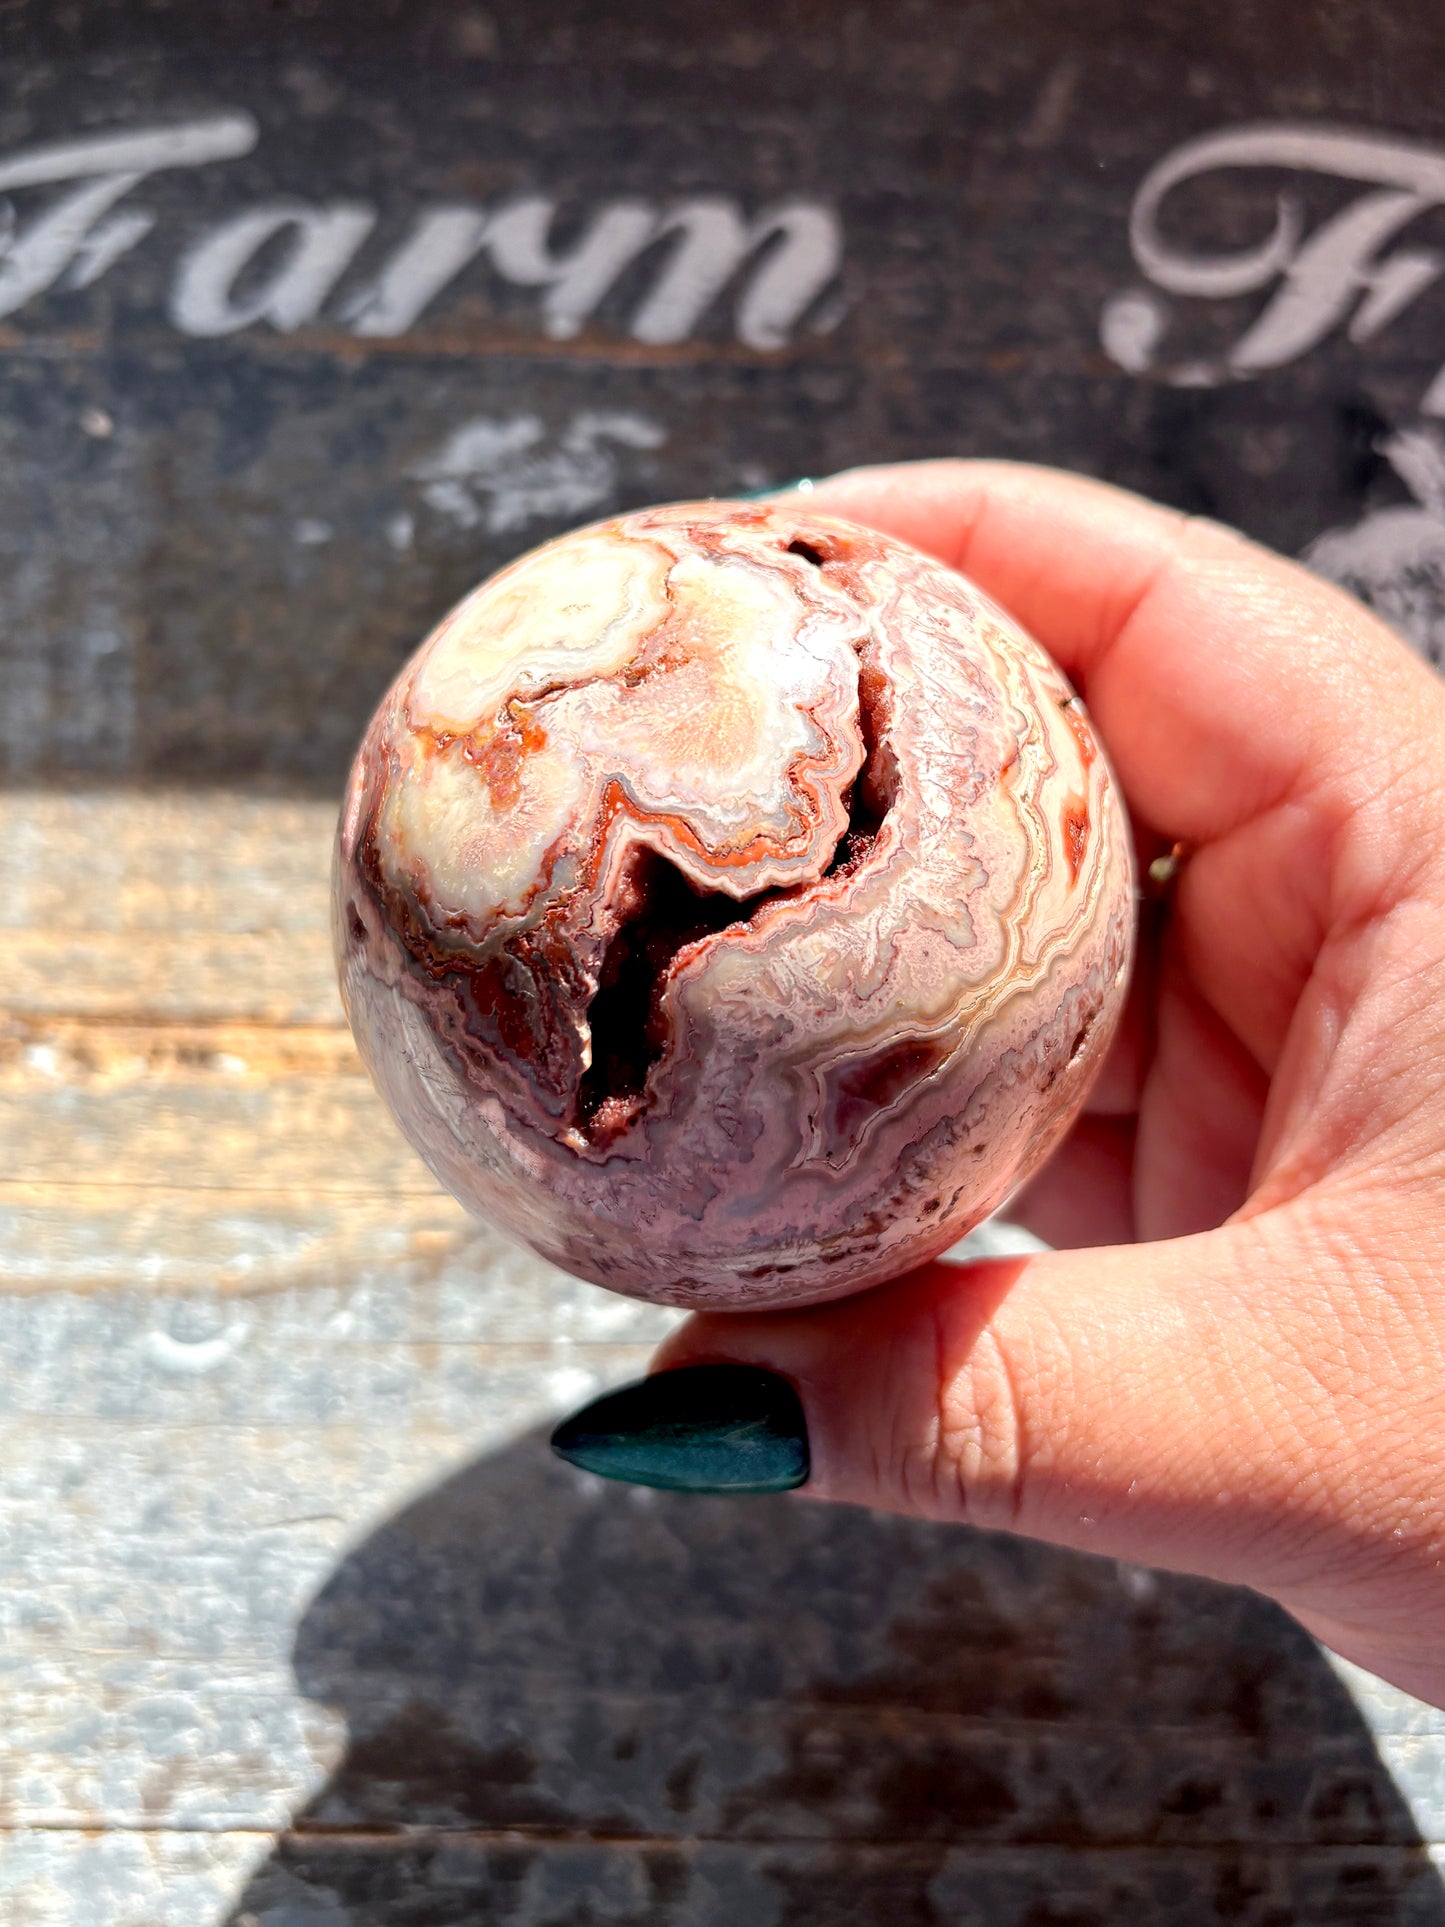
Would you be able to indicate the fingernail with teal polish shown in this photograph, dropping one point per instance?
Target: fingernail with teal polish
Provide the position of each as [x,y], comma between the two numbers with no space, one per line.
[702,1428]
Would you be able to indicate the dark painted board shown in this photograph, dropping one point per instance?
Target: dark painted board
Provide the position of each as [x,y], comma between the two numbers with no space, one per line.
[216,546]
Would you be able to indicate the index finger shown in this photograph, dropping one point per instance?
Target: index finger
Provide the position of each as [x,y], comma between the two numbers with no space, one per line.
[1224,679]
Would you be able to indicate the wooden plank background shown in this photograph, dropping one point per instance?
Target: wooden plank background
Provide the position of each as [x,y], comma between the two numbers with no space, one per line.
[300,1624]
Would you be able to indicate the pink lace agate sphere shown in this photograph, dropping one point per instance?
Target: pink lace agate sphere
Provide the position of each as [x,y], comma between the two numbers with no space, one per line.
[732,904]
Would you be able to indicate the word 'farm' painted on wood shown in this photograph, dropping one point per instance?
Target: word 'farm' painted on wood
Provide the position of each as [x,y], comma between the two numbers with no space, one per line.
[283,261]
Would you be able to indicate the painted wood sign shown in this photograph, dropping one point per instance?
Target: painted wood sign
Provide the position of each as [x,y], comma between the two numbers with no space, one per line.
[309,318]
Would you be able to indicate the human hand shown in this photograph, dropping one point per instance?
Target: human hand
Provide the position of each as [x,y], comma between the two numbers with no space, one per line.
[1234,1364]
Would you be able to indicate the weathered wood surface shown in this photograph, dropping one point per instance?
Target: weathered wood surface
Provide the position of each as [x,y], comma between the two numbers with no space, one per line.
[301,1625]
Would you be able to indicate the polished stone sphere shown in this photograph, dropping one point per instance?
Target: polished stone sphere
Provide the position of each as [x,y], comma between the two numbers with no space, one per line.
[732,904]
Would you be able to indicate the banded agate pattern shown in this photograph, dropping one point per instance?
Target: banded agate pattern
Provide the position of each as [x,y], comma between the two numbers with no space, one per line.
[732,904]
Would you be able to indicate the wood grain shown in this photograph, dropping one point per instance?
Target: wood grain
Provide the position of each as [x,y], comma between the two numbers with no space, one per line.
[172,907]
[301,1623]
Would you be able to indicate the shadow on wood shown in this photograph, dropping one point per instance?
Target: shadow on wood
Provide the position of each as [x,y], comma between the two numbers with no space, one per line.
[572,1704]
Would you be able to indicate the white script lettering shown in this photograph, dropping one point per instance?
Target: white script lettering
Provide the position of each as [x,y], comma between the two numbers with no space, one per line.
[280,263]
[319,244]
[1344,273]
[73,233]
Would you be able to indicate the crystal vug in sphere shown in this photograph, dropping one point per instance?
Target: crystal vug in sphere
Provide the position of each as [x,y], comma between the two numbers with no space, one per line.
[732,904]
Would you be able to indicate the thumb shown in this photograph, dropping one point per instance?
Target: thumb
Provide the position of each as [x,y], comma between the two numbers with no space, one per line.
[1176,1404]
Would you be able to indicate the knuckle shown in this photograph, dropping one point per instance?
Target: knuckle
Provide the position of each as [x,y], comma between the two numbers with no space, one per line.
[981,1454]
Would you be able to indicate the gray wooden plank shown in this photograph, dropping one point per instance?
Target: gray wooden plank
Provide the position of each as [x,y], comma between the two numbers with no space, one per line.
[286,1563]
[207,1128]
[174,1880]
[54,1877]
[521,1647]
[198,978]
[413,1258]
[796,1886]
[167,904]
